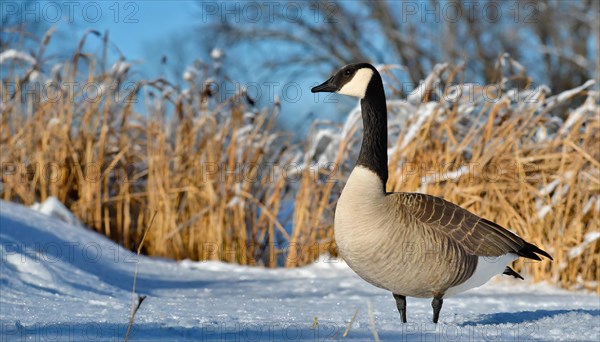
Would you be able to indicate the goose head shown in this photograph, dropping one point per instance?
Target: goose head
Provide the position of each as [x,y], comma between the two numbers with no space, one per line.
[362,80]
[356,80]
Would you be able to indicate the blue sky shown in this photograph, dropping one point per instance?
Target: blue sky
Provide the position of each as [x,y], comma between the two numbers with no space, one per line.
[139,29]
[132,24]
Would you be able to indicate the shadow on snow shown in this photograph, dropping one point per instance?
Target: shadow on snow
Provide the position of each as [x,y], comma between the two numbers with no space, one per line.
[526,316]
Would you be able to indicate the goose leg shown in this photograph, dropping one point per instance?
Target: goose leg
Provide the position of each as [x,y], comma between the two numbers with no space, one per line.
[401,305]
[436,304]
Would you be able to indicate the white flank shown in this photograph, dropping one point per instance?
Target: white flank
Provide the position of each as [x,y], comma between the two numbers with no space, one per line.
[358,84]
[487,267]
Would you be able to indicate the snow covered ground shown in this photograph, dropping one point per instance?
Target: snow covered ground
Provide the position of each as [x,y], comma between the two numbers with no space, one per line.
[62,282]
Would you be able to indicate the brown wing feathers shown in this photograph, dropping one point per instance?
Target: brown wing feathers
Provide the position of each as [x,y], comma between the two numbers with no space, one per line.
[476,235]
[527,249]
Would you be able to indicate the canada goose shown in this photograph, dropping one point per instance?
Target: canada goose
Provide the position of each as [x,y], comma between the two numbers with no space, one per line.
[411,244]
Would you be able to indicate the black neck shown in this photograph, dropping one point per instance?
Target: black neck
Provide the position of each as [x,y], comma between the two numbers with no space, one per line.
[373,151]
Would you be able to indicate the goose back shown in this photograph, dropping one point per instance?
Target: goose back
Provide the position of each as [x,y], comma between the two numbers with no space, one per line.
[474,234]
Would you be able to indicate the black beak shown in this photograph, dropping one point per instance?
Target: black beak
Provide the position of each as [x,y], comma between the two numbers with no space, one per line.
[326,87]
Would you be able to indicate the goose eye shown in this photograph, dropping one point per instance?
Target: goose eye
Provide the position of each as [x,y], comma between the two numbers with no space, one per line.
[347,72]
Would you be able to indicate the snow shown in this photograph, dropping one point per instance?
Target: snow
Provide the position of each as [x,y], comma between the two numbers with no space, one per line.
[53,207]
[120,68]
[590,203]
[576,114]
[190,74]
[422,116]
[12,54]
[216,53]
[62,282]
[567,94]
[417,95]
[589,238]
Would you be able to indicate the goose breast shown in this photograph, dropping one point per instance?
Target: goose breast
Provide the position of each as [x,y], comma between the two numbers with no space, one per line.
[391,249]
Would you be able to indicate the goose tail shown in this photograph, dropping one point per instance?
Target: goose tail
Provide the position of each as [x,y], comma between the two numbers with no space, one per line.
[531,251]
[509,271]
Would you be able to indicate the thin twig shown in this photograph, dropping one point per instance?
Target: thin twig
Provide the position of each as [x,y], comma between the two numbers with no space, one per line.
[350,324]
[135,308]
[372,322]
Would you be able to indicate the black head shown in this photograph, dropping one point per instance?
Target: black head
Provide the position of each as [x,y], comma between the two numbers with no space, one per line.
[352,80]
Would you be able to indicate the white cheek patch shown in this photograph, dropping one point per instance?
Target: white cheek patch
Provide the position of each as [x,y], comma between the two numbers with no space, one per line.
[358,84]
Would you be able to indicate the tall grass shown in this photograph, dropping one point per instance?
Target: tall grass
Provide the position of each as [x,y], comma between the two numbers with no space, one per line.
[227,185]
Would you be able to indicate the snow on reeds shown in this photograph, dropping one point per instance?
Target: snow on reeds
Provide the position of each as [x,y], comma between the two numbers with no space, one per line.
[227,185]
